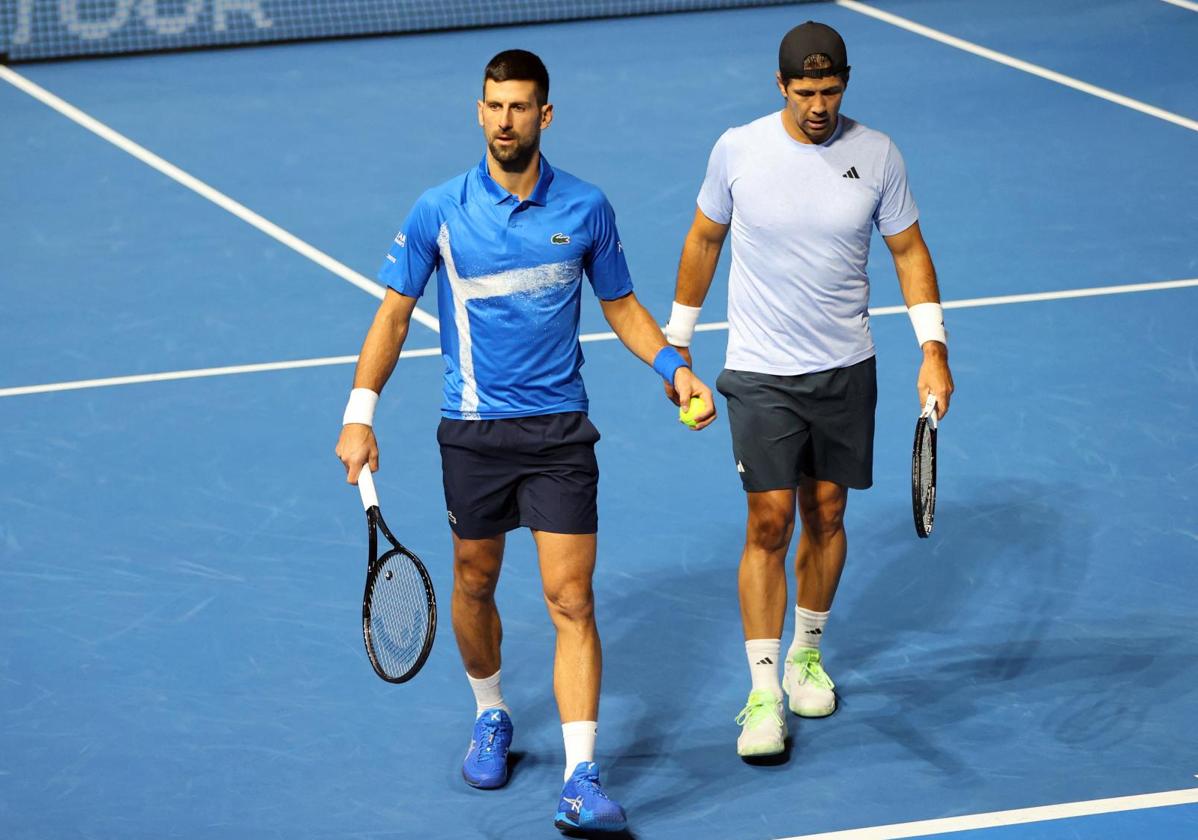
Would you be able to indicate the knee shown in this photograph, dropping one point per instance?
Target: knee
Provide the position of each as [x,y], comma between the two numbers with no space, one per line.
[822,521]
[474,580]
[571,604]
[770,530]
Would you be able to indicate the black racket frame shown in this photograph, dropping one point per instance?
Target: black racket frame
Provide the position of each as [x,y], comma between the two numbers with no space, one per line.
[374,519]
[917,503]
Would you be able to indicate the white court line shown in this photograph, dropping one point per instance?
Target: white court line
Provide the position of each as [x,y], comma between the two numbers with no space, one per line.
[199,373]
[200,188]
[1019,64]
[1014,817]
[968,303]
[1002,300]
[1185,4]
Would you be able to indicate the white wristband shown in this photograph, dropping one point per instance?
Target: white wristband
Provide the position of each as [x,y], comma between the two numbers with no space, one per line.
[681,328]
[928,321]
[360,408]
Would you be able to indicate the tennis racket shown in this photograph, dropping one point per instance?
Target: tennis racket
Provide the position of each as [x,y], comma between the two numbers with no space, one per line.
[399,607]
[923,469]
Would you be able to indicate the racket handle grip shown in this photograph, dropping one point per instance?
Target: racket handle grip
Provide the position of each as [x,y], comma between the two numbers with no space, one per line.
[366,487]
[929,409]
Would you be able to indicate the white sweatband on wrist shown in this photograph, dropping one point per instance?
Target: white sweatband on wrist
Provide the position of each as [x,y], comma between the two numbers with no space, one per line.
[681,328]
[928,321]
[360,408]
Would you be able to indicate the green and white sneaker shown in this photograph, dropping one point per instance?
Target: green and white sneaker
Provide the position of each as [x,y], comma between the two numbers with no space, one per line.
[763,725]
[807,684]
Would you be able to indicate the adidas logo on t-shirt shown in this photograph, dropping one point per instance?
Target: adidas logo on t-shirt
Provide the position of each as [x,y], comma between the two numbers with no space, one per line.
[852,173]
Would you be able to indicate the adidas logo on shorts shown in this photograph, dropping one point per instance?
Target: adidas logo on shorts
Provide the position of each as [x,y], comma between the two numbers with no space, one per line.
[740,468]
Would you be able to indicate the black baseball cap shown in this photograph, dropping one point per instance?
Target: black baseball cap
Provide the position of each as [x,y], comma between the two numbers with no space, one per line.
[812,38]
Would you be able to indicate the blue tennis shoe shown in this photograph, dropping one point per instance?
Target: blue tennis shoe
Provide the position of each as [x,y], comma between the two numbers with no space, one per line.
[486,761]
[584,806]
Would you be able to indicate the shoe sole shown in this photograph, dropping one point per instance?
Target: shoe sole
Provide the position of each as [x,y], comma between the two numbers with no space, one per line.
[809,712]
[564,823]
[483,785]
[758,752]
[821,712]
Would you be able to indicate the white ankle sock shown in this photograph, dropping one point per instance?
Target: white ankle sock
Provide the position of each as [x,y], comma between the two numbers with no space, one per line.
[487,693]
[809,629]
[763,663]
[579,737]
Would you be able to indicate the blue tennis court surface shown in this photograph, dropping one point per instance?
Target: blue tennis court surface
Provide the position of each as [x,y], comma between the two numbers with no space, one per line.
[181,561]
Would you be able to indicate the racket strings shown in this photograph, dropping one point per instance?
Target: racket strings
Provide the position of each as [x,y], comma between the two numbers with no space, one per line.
[925,477]
[399,615]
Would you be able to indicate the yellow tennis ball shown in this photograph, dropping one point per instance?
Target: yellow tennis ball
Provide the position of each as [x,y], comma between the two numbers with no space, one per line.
[686,416]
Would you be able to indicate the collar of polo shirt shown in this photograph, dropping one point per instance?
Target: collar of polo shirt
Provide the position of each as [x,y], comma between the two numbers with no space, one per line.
[539,193]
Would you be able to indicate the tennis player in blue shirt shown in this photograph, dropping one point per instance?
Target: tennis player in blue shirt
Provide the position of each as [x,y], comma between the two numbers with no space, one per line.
[510,241]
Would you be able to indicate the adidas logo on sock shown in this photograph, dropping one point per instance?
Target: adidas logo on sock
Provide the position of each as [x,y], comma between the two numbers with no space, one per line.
[815,632]
[852,173]
[766,661]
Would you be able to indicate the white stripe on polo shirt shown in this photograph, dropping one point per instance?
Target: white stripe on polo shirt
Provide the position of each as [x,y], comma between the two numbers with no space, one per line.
[511,282]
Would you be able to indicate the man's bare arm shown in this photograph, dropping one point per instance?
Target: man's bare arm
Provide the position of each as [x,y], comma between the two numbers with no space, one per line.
[636,328]
[696,268]
[917,280]
[700,255]
[357,446]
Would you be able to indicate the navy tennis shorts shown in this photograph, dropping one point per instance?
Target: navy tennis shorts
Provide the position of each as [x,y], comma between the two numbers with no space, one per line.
[820,425]
[536,472]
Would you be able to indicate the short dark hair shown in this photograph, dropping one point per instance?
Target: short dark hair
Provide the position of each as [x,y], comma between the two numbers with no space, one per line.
[519,66]
[817,61]
[817,66]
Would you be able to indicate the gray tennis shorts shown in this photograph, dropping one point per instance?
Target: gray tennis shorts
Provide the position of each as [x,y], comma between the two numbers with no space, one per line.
[820,425]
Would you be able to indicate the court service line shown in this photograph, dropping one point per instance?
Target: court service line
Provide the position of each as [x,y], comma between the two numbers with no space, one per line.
[1003,300]
[204,190]
[1019,64]
[199,373]
[1185,4]
[714,326]
[1017,816]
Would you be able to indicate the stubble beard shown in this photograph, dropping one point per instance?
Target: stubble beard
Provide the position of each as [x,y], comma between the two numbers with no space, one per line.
[516,157]
[821,136]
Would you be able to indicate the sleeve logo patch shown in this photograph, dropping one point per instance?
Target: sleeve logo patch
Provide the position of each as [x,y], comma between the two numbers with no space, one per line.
[401,240]
[559,239]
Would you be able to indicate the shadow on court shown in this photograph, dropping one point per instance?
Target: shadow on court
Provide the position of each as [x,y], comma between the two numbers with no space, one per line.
[951,655]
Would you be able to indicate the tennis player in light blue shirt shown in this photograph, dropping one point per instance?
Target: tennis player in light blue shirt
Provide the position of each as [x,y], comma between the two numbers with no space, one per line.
[800,190]
[510,241]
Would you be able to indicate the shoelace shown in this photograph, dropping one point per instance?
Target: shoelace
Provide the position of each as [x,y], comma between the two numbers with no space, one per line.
[486,745]
[590,782]
[755,710]
[814,672]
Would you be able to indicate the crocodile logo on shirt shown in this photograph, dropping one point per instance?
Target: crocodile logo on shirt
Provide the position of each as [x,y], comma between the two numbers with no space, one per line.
[559,239]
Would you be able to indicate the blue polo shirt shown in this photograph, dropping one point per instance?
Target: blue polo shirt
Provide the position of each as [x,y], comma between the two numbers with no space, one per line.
[509,276]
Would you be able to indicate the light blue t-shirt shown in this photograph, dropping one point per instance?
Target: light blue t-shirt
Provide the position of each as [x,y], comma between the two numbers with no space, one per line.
[801,216]
[509,276]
